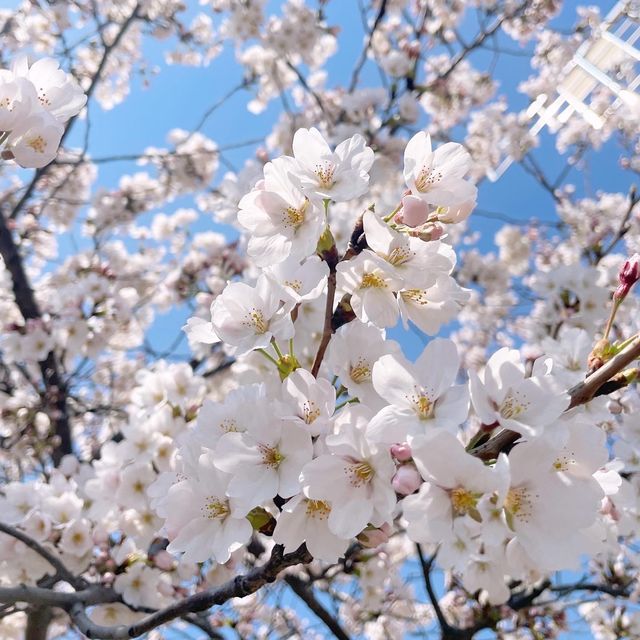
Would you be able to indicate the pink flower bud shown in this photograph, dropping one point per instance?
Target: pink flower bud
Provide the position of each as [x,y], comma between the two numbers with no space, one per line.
[401,452]
[406,480]
[628,275]
[414,211]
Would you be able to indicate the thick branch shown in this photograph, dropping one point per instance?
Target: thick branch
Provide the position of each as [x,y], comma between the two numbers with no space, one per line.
[43,597]
[54,394]
[38,621]
[239,587]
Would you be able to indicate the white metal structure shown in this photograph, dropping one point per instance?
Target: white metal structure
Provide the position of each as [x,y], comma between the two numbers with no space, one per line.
[593,64]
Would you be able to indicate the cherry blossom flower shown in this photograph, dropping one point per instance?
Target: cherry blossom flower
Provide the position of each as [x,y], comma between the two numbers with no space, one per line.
[248,317]
[16,98]
[434,306]
[57,91]
[202,521]
[502,394]
[454,483]
[415,262]
[264,461]
[339,175]
[283,222]
[300,282]
[352,353]
[371,283]
[34,141]
[354,477]
[308,402]
[240,408]
[306,520]
[437,176]
[422,396]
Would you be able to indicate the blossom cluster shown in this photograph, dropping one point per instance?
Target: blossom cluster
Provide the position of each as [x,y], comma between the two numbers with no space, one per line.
[294,417]
[364,440]
[35,102]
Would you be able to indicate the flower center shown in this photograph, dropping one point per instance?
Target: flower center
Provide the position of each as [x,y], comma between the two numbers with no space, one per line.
[399,256]
[215,508]
[416,296]
[422,405]
[511,408]
[325,170]
[373,281]
[294,217]
[310,412]
[296,285]
[255,319]
[360,371]
[228,425]
[463,501]
[359,473]
[37,143]
[519,504]
[318,509]
[563,462]
[427,179]
[271,457]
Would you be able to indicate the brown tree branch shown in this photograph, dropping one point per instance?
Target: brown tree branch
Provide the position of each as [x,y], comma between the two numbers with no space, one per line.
[54,396]
[239,587]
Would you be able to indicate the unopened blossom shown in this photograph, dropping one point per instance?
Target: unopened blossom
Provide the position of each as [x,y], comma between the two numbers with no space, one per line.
[339,175]
[422,397]
[406,480]
[502,394]
[628,275]
[248,318]
[437,177]
[415,211]
[354,476]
